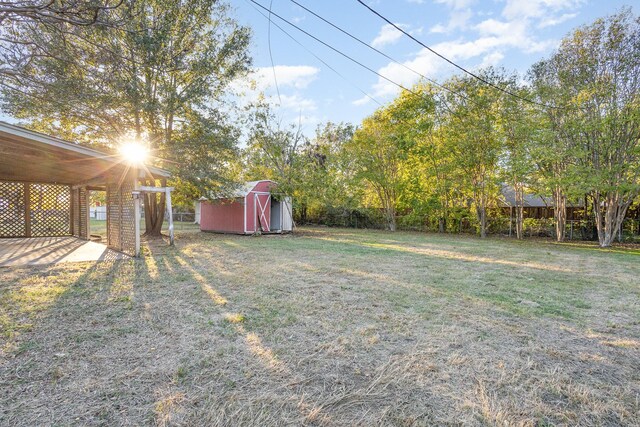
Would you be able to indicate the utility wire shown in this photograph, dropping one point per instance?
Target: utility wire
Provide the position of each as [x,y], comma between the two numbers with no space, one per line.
[483,80]
[334,49]
[273,67]
[362,42]
[316,56]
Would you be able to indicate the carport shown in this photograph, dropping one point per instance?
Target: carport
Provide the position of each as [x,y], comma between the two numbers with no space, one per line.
[44,193]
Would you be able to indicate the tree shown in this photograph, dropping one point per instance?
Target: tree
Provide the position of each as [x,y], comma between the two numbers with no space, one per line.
[16,16]
[381,147]
[161,77]
[471,134]
[273,150]
[519,131]
[326,178]
[593,81]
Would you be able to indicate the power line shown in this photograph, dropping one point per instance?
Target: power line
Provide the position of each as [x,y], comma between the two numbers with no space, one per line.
[483,80]
[334,49]
[273,67]
[316,56]
[362,42]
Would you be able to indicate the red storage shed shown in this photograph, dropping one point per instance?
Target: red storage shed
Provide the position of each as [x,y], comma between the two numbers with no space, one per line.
[254,207]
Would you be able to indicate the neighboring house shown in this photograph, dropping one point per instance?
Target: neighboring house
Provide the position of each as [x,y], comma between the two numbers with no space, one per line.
[534,206]
[255,207]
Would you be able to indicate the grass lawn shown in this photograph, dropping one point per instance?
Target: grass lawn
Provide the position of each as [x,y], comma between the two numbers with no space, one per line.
[99,227]
[327,327]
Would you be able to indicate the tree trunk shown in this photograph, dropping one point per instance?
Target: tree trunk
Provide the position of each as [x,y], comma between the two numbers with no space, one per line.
[560,213]
[519,195]
[442,225]
[154,211]
[391,219]
[482,219]
[609,216]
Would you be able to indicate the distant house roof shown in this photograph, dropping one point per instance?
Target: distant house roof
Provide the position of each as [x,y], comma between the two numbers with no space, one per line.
[508,199]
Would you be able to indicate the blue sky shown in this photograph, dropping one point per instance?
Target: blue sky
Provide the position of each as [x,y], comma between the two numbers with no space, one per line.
[509,33]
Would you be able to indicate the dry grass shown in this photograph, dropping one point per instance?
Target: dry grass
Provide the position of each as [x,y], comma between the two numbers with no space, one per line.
[327,328]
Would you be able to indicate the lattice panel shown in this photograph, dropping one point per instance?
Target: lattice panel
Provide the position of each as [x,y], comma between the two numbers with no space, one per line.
[50,210]
[75,212]
[127,225]
[12,209]
[83,208]
[113,217]
[121,234]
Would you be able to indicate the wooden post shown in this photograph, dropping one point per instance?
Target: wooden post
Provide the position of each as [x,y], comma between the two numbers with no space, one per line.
[136,211]
[168,202]
[87,217]
[27,209]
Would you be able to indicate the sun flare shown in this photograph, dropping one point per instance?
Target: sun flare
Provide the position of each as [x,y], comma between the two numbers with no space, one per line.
[134,152]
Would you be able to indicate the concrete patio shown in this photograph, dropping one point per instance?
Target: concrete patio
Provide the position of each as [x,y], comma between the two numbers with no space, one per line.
[51,250]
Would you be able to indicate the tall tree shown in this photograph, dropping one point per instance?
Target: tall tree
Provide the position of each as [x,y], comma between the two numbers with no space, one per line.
[472,135]
[17,15]
[595,85]
[518,128]
[381,147]
[162,77]
[326,178]
[273,150]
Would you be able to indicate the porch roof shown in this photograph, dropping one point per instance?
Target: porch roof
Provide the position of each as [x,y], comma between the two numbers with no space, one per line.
[31,156]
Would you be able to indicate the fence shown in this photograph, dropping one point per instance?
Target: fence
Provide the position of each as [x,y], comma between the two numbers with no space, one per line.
[98,213]
[498,225]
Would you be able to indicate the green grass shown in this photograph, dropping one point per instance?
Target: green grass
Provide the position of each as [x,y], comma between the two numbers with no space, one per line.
[326,327]
[99,227]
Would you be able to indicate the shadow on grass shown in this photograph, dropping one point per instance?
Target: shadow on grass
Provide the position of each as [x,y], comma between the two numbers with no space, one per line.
[40,291]
[263,386]
[208,276]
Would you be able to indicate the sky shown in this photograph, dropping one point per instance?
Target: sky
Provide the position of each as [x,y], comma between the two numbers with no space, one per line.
[317,84]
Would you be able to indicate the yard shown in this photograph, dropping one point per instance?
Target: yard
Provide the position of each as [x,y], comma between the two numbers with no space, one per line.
[327,327]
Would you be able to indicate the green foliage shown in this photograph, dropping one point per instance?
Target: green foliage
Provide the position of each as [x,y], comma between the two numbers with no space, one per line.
[382,147]
[161,76]
[592,83]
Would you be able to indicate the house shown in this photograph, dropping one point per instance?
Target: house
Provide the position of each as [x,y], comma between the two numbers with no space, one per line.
[44,191]
[534,206]
[255,207]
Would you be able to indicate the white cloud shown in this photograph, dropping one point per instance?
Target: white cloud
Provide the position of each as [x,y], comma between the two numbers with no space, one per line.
[296,76]
[519,9]
[514,30]
[491,59]
[388,35]
[298,19]
[459,16]
[361,101]
[457,19]
[295,102]
[550,21]
[456,4]
[424,63]
[292,80]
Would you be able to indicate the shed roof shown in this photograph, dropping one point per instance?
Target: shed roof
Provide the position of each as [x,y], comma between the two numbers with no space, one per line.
[26,155]
[242,190]
[247,187]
